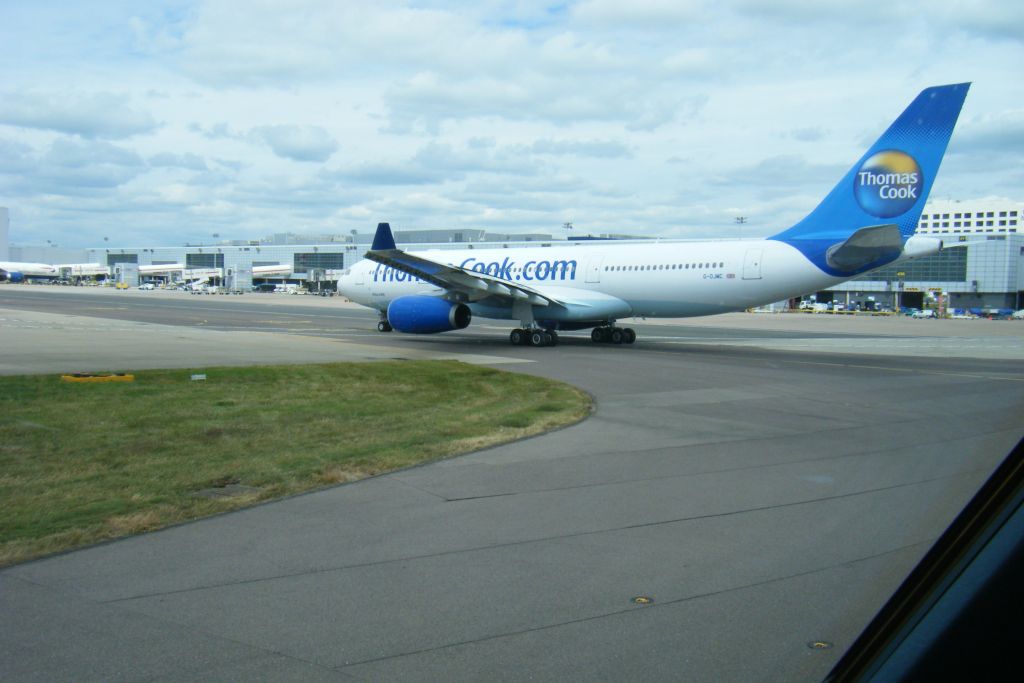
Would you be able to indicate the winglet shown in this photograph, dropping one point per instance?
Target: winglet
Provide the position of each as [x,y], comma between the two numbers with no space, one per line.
[383,240]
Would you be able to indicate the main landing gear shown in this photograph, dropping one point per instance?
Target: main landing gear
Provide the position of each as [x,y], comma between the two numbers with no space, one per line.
[383,326]
[607,334]
[520,337]
[613,335]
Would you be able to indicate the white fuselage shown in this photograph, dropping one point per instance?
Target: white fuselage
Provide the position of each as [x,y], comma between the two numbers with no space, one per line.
[29,269]
[659,279]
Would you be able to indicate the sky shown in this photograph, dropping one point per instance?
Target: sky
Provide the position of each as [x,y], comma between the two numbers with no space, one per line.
[165,123]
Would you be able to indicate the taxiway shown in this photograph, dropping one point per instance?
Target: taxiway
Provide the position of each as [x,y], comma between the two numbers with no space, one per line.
[763,482]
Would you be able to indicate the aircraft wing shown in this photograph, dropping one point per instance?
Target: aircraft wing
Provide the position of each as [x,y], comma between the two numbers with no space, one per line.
[471,285]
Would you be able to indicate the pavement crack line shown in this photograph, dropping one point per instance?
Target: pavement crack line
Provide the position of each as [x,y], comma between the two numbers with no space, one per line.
[660,604]
[724,470]
[529,541]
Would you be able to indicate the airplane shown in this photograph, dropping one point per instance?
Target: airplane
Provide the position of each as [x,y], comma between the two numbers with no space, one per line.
[866,221]
[18,271]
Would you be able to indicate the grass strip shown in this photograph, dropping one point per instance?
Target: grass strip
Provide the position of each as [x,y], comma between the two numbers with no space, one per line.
[85,462]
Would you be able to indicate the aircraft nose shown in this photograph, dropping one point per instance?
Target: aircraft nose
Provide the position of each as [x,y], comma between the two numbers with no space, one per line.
[344,280]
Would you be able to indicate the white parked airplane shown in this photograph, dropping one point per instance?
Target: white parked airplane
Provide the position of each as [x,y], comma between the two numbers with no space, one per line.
[17,271]
[866,221]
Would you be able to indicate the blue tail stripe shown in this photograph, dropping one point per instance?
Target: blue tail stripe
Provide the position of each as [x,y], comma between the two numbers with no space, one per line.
[890,183]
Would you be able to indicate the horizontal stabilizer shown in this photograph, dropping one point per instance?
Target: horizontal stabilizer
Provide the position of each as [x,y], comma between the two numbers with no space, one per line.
[875,244]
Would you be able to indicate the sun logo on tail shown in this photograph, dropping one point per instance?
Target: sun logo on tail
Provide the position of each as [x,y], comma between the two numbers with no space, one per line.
[888,183]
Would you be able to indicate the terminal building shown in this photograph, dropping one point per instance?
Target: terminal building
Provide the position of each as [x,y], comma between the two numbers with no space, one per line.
[981,265]
[280,260]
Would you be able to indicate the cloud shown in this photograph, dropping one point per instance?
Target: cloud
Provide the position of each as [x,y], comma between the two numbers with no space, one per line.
[15,157]
[216,131]
[438,163]
[66,168]
[787,172]
[92,116]
[663,15]
[655,116]
[983,18]
[605,149]
[299,143]
[192,162]
[1001,133]
[390,174]
[806,134]
[427,101]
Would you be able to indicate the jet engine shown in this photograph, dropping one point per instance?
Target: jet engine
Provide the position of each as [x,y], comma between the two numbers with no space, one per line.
[427,314]
[12,275]
[918,245]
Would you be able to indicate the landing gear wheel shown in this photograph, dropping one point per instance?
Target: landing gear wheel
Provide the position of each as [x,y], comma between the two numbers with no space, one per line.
[616,336]
[537,338]
[517,337]
[383,326]
[628,336]
[554,338]
[597,335]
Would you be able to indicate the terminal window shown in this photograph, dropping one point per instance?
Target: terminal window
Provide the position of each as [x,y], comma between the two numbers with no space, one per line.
[946,266]
[204,260]
[304,262]
[113,259]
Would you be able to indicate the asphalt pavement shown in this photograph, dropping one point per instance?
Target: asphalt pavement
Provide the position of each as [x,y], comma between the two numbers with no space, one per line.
[748,489]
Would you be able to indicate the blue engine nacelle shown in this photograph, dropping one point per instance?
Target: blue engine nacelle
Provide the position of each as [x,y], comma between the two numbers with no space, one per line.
[427,315]
[12,275]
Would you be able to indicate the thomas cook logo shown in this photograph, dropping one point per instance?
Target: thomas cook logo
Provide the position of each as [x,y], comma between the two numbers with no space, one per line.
[888,184]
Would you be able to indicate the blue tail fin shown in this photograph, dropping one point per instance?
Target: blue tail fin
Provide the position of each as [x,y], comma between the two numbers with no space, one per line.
[889,184]
[383,239]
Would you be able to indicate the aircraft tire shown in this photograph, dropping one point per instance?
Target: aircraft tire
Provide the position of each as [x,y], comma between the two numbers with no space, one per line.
[597,335]
[616,336]
[517,337]
[537,338]
[628,336]
[383,326]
